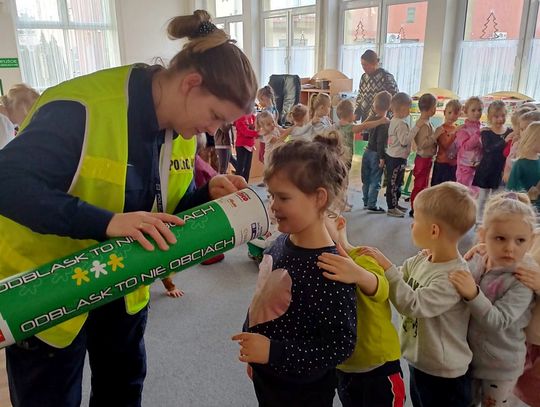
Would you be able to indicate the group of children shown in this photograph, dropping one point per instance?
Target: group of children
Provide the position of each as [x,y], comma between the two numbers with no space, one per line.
[480,158]
[305,122]
[320,318]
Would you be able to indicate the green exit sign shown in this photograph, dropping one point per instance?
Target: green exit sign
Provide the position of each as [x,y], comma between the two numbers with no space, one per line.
[9,62]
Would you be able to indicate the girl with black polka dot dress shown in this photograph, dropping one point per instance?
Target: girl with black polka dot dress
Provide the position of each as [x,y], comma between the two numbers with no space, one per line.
[300,325]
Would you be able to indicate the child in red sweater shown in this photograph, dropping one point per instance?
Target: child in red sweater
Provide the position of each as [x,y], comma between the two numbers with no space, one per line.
[245,141]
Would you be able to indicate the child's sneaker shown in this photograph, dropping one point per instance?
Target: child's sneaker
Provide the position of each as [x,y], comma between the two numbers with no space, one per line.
[401,208]
[376,209]
[396,213]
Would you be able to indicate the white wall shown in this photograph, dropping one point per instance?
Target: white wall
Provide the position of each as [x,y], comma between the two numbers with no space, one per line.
[8,45]
[142,29]
[141,32]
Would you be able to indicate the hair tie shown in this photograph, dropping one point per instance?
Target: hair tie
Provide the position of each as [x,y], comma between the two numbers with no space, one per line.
[511,195]
[205,28]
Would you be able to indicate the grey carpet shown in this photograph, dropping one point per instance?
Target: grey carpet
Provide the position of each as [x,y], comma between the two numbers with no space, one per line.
[191,359]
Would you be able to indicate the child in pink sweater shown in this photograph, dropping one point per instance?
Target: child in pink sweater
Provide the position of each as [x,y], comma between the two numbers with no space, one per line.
[469,145]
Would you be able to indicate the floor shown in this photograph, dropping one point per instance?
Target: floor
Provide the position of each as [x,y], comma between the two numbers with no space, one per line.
[191,359]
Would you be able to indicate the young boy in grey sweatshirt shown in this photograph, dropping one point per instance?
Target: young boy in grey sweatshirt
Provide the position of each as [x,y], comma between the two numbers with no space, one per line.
[399,148]
[433,331]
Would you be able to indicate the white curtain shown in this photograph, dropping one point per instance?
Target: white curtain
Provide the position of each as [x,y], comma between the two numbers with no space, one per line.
[350,61]
[274,61]
[404,61]
[302,61]
[485,66]
[66,45]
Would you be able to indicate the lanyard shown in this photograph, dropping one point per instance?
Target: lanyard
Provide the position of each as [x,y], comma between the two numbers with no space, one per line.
[162,180]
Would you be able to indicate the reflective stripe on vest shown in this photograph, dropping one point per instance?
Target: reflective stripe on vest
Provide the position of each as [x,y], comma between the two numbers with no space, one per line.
[99,180]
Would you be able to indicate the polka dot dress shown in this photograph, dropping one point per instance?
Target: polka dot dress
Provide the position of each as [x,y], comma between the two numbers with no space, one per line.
[317,331]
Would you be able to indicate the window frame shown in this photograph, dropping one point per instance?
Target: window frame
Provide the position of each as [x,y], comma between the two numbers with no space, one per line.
[521,60]
[65,25]
[382,24]
[228,20]
[289,13]
[524,59]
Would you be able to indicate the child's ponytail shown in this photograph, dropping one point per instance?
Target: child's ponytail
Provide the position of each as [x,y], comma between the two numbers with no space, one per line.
[528,139]
[267,91]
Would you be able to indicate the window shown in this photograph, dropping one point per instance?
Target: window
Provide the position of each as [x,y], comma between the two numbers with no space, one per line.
[283,4]
[62,39]
[487,55]
[359,34]
[227,15]
[399,42]
[533,78]
[225,8]
[289,41]
[404,45]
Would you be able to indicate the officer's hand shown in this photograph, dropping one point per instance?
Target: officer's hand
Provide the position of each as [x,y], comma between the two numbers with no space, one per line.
[139,224]
[222,185]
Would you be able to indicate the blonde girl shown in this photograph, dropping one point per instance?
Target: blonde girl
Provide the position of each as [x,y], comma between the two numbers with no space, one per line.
[488,175]
[14,106]
[499,303]
[267,103]
[468,143]
[319,109]
[525,172]
[522,121]
[266,126]
[301,128]
[300,325]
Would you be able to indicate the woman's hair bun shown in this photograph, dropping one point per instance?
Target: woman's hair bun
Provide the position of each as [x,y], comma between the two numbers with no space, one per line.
[190,26]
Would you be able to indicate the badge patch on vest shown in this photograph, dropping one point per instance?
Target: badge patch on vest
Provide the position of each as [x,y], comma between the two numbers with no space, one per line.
[179,164]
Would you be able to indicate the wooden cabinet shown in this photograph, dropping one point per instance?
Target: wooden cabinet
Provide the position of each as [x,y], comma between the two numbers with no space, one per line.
[338,82]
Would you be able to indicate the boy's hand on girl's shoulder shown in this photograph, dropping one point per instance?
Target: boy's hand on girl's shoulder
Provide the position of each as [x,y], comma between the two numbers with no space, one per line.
[479,248]
[381,163]
[528,273]
[377,255]
[254,348]
[339,267]
[464,283]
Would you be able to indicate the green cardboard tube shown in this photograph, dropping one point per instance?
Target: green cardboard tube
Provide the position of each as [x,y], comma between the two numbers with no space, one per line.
[33,301]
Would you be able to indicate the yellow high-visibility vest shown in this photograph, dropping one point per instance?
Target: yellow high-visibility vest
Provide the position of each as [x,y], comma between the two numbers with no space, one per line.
[100,180]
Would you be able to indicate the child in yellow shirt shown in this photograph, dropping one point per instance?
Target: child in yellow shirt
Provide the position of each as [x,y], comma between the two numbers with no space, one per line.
[372,375]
